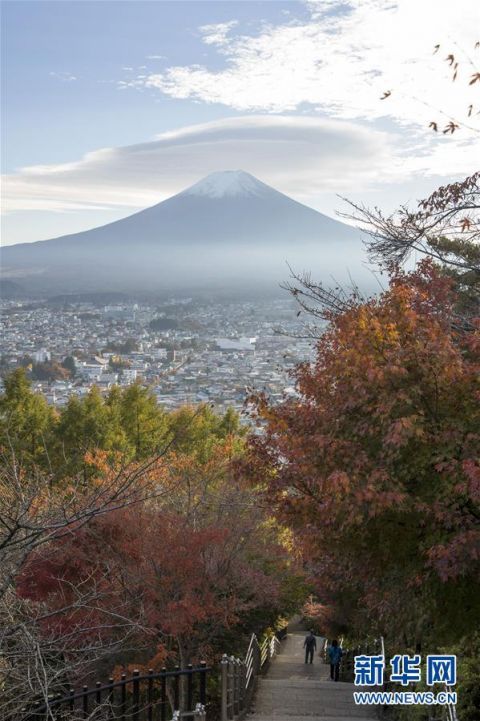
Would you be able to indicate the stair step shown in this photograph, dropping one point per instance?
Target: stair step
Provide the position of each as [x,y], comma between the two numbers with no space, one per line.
[295,691]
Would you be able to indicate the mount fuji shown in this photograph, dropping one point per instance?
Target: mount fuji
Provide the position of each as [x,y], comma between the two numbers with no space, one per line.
[228,230]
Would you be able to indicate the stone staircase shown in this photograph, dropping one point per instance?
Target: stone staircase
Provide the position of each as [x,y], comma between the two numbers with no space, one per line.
[295,691]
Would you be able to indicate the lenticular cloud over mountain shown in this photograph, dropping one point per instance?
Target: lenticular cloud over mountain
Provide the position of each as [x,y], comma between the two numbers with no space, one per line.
[227,230]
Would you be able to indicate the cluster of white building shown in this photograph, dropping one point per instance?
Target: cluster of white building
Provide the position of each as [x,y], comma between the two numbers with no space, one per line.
[220,352]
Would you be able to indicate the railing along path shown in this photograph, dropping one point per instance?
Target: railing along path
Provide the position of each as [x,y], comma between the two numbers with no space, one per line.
[239,675]
[141,697]
[165,695]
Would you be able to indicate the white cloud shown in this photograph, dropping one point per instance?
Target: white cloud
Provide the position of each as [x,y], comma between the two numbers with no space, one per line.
[301,156]
[340,61]
[217,34]
[65,77]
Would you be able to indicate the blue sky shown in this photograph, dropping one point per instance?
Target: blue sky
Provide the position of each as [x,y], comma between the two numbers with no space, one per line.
[111,106]
[52,119]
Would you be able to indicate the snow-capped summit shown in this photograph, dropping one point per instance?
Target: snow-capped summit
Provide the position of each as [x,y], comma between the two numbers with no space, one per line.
[227,183]
[228,228]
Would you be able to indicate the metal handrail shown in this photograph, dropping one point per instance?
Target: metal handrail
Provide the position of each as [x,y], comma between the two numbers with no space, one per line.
[451,708]
[239,675]
[135,681]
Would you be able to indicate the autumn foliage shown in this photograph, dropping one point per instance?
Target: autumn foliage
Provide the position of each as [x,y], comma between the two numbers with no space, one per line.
[375,465]
[167,577]
[177,586]
[127,542]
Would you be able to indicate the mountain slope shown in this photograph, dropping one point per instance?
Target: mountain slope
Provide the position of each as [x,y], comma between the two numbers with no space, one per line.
[228,227]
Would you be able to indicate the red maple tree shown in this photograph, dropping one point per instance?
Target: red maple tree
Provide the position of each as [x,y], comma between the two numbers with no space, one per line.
[375,465]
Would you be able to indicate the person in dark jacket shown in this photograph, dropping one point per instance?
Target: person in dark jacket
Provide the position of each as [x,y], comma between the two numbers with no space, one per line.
[335,654]
[310,644]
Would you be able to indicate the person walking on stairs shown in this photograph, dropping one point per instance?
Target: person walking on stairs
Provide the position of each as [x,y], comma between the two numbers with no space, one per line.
[310,645]
[335,654]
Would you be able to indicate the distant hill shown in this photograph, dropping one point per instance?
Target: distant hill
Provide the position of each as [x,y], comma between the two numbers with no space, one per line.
[10,289]
[229,230]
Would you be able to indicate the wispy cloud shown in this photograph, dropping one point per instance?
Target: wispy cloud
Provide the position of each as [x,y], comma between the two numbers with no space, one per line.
[300,155]
[339,61]
[63,76]
[217,34]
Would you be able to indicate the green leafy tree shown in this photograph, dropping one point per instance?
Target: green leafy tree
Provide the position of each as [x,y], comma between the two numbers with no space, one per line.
[85,425]
[69,365]
[49,371]
[144,423]
[163,324]
[199,430]
[26,421]
[230,423]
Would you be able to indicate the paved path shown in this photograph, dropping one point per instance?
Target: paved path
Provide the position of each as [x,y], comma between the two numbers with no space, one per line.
[294,691]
